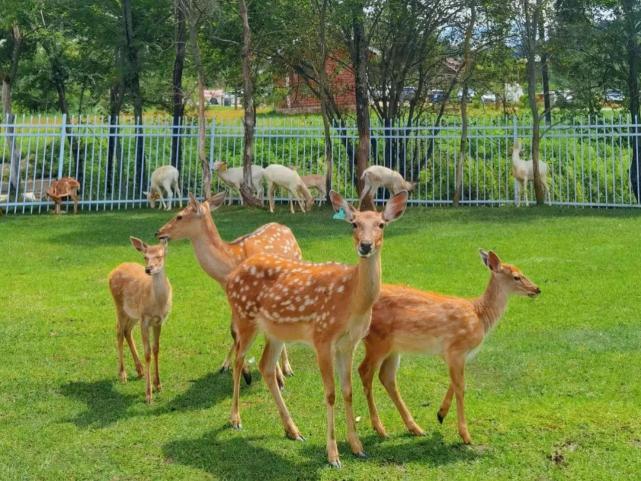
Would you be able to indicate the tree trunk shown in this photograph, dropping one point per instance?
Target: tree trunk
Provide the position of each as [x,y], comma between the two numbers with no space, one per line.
[545,75]
[202,155]
[7,81]
[177,90]
[467,73]
[324,97]
[531,22]
[246,189]
[132,84]
[633,51]
[360,58]
[115,104]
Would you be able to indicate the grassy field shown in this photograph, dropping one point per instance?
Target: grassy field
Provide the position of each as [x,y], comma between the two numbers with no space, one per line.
[554,393]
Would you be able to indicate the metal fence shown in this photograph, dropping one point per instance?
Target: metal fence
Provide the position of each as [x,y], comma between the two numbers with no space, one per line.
[588,162]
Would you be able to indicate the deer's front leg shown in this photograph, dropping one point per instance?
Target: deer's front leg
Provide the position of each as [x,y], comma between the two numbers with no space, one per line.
[156,351]
[457,368]
[344,355]
[144,327]
[326,366]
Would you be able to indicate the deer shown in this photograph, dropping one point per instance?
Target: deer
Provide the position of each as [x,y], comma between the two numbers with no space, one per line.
[281,176]
[61,188]
[141,295]
[317,182]
[377,176]
[523,173]
[233,177]
[219,258]
[406,320]
[164,178]
[327,306]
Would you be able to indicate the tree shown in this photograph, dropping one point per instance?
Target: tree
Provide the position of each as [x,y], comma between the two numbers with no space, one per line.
[178,97]
[249,119]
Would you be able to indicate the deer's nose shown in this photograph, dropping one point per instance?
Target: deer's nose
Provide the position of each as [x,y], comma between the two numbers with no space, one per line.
[538,290]
[147,270]
[365,247]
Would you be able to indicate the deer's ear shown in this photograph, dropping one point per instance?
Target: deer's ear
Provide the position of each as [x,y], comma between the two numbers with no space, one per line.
[491,260]
[138,244]
[216,200]
[165,244]
[395,207]
[339,203]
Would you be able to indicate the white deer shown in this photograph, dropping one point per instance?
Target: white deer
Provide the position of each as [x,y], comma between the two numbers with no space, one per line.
[377,176]
[164,178]
[281,176]
[233,177]
[523,172]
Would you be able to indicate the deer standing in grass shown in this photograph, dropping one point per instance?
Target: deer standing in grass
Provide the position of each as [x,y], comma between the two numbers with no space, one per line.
[61,188]
[327,306]
[377,176]
[141,294]
[218,258]
[523,173]
[409,320]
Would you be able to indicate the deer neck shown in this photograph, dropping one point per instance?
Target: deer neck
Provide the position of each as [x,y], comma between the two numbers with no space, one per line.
[367,283]
[211,251]
[491,305]
[516,157]
[160,287]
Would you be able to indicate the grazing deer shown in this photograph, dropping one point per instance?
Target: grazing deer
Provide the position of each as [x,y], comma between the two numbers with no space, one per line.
[377,176]
[278,175]
[218,258]
[141,294]
[233,177]
[327,306]
[523,172]
[61,188]
[164,178]
[409,320]
[318,182]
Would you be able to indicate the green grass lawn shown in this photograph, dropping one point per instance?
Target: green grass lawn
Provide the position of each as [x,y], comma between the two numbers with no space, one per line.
[553,394]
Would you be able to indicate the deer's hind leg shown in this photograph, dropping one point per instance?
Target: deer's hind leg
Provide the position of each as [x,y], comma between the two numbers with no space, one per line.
[371,363]
[121,326]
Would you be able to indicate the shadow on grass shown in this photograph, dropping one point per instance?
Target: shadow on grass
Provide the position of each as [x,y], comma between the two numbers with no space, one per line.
[105,405]
[202,393]
[240,457]
[245,457]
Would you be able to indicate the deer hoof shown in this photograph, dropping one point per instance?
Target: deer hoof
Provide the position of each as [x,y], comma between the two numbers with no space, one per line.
[247,376]
[440,417]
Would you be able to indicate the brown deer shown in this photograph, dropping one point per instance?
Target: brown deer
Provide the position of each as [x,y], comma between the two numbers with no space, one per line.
[409,320]
[218,258]
[141,294]
[61,188]
[327,306]
[318,182]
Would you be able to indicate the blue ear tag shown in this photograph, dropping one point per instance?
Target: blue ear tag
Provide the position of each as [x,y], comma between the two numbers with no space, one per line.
[339,215]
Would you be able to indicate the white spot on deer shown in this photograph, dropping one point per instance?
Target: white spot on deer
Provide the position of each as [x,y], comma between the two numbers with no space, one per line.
[340,288]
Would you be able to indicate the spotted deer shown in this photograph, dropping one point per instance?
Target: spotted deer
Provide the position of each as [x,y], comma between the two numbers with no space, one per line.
[61,188]
[141,295]
[409,320]
[218,258]
[327,306]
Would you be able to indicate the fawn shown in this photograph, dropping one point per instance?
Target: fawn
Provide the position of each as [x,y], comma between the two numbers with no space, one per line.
[141,294]
[409,320]
[218,258]
[327,306]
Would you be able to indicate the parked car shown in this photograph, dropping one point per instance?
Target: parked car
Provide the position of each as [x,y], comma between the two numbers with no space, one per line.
[470,94]
[488,98]
[437,96]
[614,95]
[407,94]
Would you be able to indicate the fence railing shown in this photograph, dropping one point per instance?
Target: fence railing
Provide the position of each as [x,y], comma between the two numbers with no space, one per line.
[588,163]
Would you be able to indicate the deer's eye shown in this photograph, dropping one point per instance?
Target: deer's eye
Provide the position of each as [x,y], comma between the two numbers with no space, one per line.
[381,225]
[178,217]
[517,278]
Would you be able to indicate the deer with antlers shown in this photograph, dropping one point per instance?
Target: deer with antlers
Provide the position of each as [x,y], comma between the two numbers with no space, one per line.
[409,320]
[327,306]
[218,258]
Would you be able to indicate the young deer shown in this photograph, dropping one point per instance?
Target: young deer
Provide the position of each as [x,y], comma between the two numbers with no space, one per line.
[141,294]
[61,188]
[218,258]
[377,176]
[327,306]
[409,320]
[318,182]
